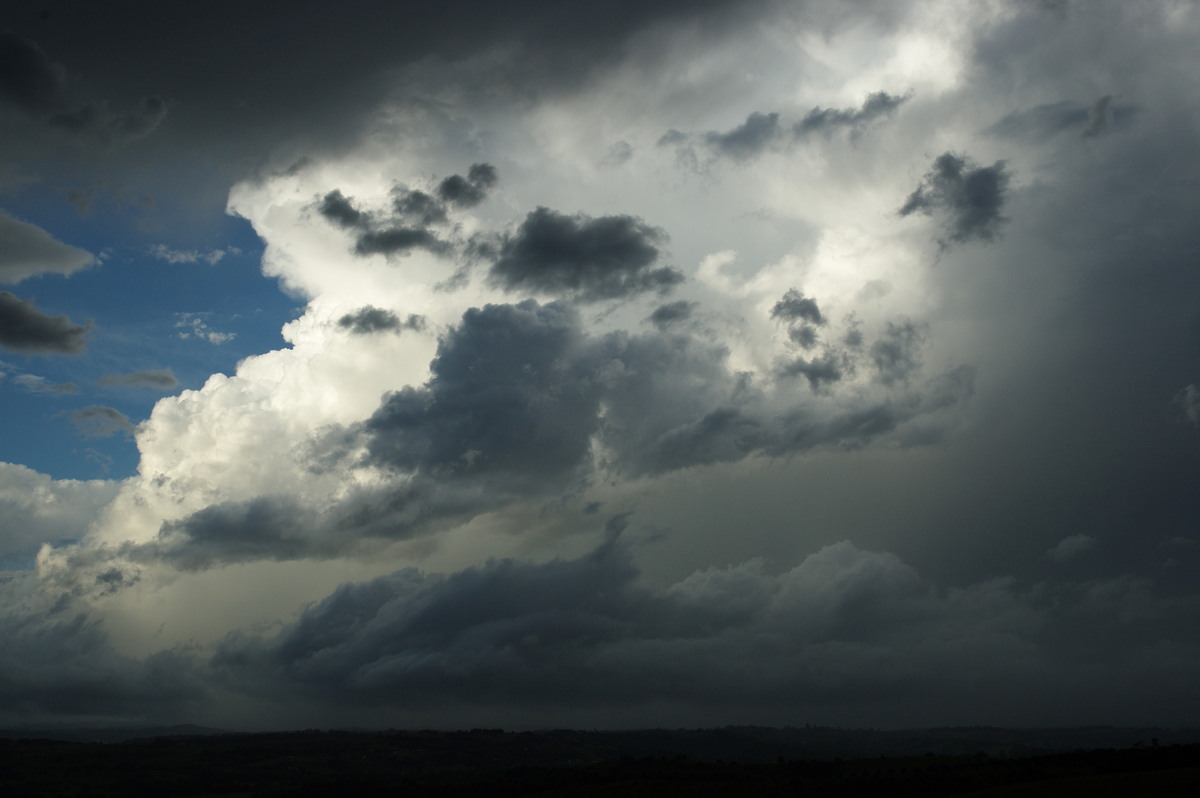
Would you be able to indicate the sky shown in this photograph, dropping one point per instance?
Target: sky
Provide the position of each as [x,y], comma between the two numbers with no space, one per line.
[600,365]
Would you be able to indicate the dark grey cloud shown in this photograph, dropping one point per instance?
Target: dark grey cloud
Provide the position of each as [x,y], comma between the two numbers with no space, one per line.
[97,421]
[28,78]
[820,372]
[31,81]
[749,139]
[1051,119]
[522,405]
[263,528]
[413,212]
[58,662]
[969,198]
[766,132]
[27,250]
[586,258]
[672,313]
[469,191]
[24,328]
[251,101]
[795,306]
[897,354]
[510,398]
[108,127]
[368,319]
[878,105]
[846,634]
[158,379]
[337,208]
[418,207]
[804,335]
[398,241]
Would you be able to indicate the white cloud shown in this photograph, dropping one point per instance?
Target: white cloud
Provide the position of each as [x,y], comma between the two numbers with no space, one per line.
[212,257]
[38,509]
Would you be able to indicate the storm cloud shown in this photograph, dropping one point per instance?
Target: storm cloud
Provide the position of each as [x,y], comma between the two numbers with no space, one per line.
[969,198]
[836,634]
[881,364]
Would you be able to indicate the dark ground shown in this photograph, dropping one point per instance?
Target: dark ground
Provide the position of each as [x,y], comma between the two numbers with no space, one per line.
[742,761]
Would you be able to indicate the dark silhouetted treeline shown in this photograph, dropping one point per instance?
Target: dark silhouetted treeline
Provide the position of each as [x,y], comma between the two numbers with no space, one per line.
[741,761]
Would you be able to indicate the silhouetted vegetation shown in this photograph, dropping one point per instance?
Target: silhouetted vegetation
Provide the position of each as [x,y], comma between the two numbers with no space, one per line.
[742,761]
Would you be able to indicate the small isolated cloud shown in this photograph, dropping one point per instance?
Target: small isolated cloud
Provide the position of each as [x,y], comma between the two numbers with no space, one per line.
[1188,401]
[24,328]
[1071,547]
[618,155]
[795,306]
[749,139]
[368,319]
[672,313]
[339,209]
[587,258]
[193,325]
[97,421]
[968,198]
[36,384]
[212,257]
[27,250]
[878,105]
[469,191]
[159,379]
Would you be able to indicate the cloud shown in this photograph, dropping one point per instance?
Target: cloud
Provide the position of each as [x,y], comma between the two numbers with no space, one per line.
[97,421]
[510,397]
[27,251]
[193,325]
[368,319]
[36,384]
[898,353]
[1051,119]
[28,78]
[969,198]
[845,634]
[58,662]
[795,306]
[399,235]
[39,509]
[1071,547]
[24,328]
[587,258]
[469,191]
[1188,402]
[337,208]
[672,313]
[878,105]
[158,379]
[212,257]
[749,139]
[106,127]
